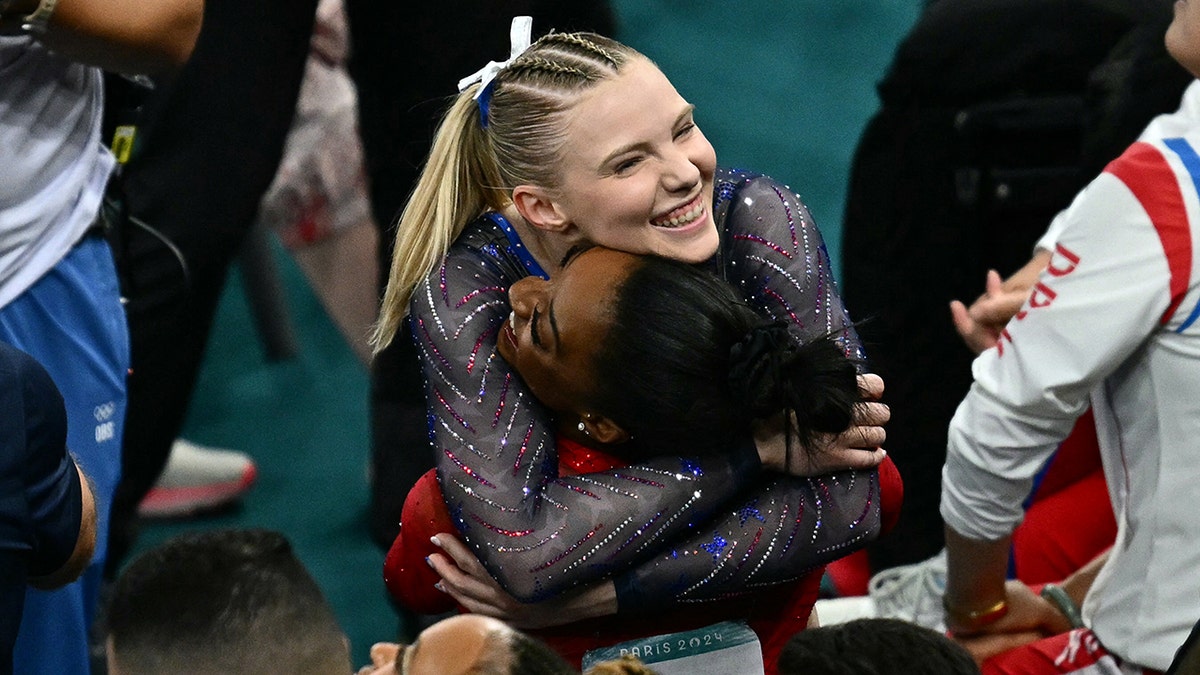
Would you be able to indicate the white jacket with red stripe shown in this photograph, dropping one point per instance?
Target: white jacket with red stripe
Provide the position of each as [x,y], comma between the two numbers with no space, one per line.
[1112,323]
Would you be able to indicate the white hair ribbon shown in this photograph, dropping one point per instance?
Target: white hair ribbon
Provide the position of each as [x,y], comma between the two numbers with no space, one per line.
[519,37]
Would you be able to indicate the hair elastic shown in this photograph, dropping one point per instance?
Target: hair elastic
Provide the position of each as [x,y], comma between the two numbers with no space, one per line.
[755,353]
[519,37]
[484,100]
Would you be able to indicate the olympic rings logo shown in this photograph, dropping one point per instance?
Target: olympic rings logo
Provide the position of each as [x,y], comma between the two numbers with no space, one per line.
[104,411]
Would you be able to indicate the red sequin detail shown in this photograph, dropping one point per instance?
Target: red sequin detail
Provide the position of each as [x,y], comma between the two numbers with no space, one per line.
[638,479]
[500,530]
[467,470]
[477,292]
[558,558]
[453,413]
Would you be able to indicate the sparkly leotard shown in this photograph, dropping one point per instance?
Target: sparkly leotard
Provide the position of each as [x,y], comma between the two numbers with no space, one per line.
[668,530]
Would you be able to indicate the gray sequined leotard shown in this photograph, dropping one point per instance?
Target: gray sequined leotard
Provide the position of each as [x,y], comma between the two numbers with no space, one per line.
[668,529]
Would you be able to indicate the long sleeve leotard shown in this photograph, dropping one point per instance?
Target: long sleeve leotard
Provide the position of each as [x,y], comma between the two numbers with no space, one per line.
[668,529]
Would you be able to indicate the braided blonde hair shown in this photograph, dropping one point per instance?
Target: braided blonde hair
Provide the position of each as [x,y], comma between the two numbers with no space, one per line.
[472,170]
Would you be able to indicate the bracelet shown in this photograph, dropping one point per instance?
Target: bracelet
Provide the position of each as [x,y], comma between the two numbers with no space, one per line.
[38,22]
[1059,598]
[972,621]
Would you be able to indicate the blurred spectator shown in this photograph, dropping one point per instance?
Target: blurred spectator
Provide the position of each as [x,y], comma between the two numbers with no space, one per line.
[59,299]
[47,512]
[994,113]
[222,602]
[1110,323]
[208,144]
[874,647]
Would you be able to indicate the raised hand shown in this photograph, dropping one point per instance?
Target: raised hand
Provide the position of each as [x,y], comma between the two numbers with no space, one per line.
[980,324]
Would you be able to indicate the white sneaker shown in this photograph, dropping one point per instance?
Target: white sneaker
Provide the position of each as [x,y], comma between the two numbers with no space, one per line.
[198,478]
[910,592]
[844,610]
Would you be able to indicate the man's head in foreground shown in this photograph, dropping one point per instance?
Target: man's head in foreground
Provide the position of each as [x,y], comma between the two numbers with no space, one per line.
[225,601]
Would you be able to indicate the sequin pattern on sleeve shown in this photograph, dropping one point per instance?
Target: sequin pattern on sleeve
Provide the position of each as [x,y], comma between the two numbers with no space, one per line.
[535,531]
[773,253]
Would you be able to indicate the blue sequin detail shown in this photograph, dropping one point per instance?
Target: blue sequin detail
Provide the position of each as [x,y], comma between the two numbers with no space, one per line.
[692,468]
[724,193]
[715,547]
[455,512]
[517,246]
[749,511]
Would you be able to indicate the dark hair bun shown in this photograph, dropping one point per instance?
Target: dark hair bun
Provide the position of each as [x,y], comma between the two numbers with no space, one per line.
[754,375]
[770,371]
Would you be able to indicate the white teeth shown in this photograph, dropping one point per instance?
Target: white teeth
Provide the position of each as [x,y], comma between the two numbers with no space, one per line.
[684,219]
[510,330]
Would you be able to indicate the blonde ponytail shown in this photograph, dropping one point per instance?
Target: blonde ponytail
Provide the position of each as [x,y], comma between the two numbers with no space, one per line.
[450,193]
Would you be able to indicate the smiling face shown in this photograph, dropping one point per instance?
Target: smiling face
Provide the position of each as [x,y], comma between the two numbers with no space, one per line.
[1183,35]
[637,173]
[557,326]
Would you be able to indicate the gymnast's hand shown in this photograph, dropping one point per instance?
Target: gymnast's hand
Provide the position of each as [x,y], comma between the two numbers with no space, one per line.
[466,580]
[855,448]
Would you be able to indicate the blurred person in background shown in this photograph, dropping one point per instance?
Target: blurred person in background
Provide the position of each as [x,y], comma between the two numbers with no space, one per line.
[59,296]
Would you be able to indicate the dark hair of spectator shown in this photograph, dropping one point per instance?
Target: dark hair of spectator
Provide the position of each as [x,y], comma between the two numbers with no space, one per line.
[874,647]
[223,601]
